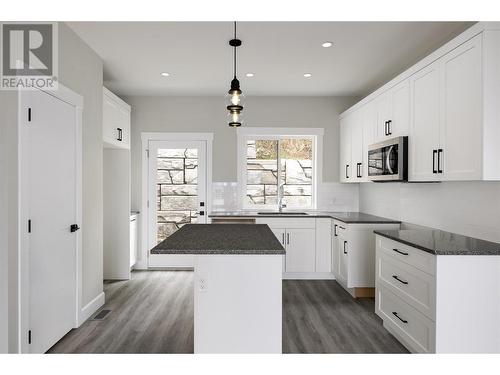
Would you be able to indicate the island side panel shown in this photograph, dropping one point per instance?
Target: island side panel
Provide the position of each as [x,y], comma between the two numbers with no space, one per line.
[237,303]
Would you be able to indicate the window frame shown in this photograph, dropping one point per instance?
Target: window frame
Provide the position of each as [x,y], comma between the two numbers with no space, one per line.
[256,133]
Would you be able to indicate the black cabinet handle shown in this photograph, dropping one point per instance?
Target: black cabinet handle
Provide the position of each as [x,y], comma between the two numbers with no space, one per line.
[73,228]
[120,134]
[400,252]
[358,170]
[385,128]
[202,213]
[439,151]
[283,238]
[398,279]
[389,127]
[397,316]
[345,243]
[434,153]
[347,171]
[288,238]
[335,230]
[132,220]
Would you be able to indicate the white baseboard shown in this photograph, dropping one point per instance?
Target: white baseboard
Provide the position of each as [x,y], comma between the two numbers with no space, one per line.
[308,276]
[141,265]
[91,308]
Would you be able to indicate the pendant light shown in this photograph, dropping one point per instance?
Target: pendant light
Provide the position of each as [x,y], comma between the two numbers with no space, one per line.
[235,95]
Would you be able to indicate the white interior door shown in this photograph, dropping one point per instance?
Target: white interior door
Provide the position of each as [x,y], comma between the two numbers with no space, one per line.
[177,187]
[50,156]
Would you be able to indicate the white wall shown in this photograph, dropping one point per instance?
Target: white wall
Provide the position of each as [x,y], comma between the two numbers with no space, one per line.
[208,114]
[80,68]
[468,208]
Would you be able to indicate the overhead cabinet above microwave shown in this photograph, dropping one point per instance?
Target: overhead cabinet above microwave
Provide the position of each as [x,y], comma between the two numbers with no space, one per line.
[448,105]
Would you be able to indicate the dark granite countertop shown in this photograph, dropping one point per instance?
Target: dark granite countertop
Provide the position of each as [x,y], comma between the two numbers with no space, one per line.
[346,217]
[439,242]
[221,239]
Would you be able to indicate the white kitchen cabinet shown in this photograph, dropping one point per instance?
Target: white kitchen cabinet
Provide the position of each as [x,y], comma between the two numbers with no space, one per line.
[343,243]
[336,249]
[133,239]
[300,250]
[430,309]
[392,112]
[424,131]
[115,121]
[345,149]
[461,135]
[280,235]
[323,245]
[356,130]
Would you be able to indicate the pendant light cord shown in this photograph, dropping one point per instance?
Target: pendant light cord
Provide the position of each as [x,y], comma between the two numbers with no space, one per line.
[234,50]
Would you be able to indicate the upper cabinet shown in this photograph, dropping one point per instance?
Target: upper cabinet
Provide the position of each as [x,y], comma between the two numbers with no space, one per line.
[393,112]
[448,106]
[115,121]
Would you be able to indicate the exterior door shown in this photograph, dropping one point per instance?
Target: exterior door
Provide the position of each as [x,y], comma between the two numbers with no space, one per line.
[50,159]
[177,187]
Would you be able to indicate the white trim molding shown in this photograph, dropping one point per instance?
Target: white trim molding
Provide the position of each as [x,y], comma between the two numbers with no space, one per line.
[142,261]
[243,134]
[90,308]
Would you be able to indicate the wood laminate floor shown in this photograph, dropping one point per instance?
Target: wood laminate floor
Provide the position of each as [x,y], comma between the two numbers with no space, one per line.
[153,313]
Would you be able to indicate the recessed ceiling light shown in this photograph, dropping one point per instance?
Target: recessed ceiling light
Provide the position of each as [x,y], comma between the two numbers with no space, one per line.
[165,74]
[307,75]
[250,74]
[327,44]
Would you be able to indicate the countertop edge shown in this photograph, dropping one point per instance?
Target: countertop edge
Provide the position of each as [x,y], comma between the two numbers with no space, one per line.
[427,250]
[218,252]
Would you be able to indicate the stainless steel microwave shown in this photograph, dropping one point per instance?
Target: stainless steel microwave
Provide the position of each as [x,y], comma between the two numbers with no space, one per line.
[388,160]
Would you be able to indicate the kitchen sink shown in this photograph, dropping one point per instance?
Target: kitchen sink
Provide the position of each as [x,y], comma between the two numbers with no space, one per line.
[282,213]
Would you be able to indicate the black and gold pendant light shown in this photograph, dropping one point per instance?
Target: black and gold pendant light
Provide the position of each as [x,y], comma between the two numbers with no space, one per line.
[235,95]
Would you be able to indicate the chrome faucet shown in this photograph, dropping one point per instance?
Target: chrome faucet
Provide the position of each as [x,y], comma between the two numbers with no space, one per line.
[281,205]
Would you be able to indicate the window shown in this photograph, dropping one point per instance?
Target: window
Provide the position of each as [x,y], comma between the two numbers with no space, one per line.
[277,166]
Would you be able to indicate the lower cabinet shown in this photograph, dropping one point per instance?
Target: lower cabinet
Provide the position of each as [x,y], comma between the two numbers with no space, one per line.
[438,303]
[353,256]
[300,250]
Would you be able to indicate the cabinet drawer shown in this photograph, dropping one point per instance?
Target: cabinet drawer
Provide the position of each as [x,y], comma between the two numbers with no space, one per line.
[414,286]
[305,223]
[414,257]
[415,330]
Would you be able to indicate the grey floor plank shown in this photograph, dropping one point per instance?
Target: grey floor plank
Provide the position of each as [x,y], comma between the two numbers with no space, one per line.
[153,313]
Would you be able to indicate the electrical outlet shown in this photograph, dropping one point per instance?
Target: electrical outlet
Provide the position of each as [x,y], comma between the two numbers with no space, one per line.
[202,284]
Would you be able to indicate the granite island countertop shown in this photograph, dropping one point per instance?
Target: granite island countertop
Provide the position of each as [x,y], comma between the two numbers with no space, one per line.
[230,239]
[439,242]
[345,217]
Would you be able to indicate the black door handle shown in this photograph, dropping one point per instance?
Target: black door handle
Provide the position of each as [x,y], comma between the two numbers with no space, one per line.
[385,128]
[389,127]
[397,316]
[335,230]
[74,228]
[439,151]
[345,243]
[202,213]
[120,134]
[347,171]
[434,153]
[400,252]
[398,279]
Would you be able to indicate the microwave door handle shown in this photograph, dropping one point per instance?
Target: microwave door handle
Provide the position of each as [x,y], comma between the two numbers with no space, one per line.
[387,161]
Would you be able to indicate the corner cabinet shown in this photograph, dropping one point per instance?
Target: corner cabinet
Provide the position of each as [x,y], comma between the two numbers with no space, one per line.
[447,104]
[115,121]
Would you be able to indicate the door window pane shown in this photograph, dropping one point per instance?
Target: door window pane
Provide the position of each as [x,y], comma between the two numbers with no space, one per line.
[177,190]
[262,172]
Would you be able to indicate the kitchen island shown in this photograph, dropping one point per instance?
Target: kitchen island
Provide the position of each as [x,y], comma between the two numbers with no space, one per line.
[237,286]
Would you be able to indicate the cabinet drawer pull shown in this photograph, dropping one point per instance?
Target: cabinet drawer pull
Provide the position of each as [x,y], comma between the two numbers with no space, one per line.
[345,243]
[398,279]
[400,252]
[397,316]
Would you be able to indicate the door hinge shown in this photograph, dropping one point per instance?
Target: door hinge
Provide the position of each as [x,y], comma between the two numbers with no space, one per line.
[29,114]
[29,226]
[29,337]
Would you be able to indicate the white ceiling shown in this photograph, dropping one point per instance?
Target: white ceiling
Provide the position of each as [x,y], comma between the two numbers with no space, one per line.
[199,59]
